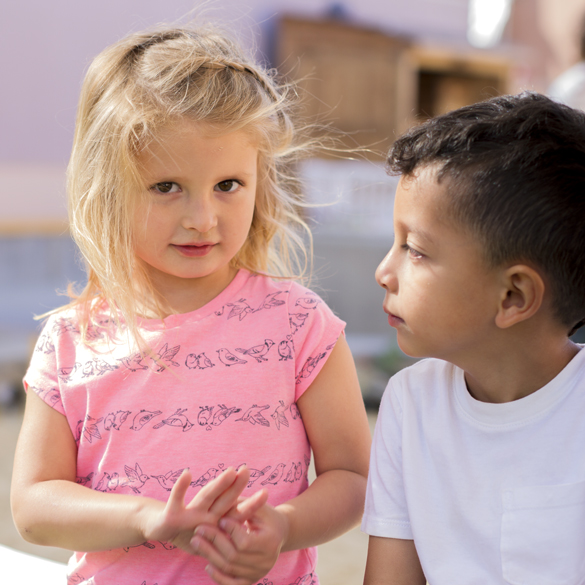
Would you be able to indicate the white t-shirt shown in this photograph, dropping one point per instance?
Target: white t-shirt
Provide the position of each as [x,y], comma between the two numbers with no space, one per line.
[490,493]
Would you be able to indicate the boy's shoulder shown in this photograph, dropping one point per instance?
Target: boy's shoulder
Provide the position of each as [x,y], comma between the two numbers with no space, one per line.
[427,382]
[425,372]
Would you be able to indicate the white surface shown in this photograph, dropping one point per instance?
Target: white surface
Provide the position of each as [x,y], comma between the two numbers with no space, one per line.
[352,197]
[23,569]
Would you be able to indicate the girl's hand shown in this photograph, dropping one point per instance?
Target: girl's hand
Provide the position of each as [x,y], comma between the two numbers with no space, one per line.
[176,522]
[242,552]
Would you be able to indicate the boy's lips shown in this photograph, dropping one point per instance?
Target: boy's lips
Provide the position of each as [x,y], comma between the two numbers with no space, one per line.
[394,320]
[194,250]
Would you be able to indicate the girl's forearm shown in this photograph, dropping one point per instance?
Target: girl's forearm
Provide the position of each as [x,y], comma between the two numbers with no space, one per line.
[332,505]
[67,515]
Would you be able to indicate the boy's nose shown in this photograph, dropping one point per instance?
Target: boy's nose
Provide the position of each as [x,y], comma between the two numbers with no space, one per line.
[200,214]
[385,275]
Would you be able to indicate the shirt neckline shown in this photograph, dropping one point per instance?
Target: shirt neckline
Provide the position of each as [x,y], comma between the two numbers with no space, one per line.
[524,410]
[211,307]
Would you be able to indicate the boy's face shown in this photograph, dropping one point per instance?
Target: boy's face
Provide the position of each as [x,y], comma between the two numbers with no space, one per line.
[440,295]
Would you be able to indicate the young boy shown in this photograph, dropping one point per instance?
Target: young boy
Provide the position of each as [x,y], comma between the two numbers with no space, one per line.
[478,465]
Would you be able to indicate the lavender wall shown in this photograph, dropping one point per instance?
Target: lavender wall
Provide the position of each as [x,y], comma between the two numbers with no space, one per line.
[46,46]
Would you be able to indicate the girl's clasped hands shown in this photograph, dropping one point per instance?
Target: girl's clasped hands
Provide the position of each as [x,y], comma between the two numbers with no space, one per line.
[240,537]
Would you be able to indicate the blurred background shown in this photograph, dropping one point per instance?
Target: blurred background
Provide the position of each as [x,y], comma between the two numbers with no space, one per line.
[369,68]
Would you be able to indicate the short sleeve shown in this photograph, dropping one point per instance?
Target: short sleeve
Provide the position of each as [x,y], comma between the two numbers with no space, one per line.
[386,512]
[42,374]
[314,331]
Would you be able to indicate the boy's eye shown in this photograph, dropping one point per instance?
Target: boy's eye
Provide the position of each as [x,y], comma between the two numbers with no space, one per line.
[412,252]
[227,186]
[166,187]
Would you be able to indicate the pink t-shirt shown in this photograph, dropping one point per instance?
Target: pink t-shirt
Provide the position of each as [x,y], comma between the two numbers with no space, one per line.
[221,391]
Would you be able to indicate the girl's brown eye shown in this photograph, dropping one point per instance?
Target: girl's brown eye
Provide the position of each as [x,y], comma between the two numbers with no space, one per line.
[227,186]
[164,187]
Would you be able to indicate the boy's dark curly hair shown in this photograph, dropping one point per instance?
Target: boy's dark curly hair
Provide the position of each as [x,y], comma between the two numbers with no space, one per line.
[515,167]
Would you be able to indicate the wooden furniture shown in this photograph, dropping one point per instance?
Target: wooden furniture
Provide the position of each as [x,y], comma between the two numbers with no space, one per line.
[371,86]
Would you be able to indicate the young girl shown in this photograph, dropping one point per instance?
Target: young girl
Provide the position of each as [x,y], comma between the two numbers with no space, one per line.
[182,361]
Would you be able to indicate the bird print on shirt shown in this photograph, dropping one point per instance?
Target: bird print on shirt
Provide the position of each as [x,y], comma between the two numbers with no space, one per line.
[210,474]
[290,476]
[149,545]
[165,357]
[286,349]
[210,417]
[204,416]
[134,362]
[222,413]
[278,415]
[135,478]
[258,351]
[107,482]
[52,396]
[308,302]
[254,415]
[168,480]
[294,411]
[298,471]
[239,309]
[310,366]
[271,301]
[297,320]
[64,324]
[88,428]
[115,420]
[177,419]
[85,480]
[229,359]
[45,344]
[304,580]
[198,361]
[66,373]
[256,474]
[275,476]
[143,417]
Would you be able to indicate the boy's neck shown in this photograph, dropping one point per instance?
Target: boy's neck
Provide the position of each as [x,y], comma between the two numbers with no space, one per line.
[513,370]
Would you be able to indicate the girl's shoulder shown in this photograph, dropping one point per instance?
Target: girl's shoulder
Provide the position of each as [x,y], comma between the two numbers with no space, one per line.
[289,291]
[70,320]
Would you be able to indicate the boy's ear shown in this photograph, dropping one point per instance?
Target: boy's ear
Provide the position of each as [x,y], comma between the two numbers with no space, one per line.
[522,295]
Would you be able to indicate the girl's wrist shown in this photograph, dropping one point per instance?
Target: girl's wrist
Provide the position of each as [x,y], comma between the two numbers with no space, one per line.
[148,515]
[283,513]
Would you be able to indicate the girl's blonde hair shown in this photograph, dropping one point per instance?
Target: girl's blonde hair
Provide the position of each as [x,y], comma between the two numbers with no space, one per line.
[134,88]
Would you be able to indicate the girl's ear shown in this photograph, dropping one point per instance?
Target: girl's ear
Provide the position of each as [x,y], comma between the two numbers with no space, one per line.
[522,295]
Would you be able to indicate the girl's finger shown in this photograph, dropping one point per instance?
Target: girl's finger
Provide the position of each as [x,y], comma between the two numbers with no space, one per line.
[176,501]
[247,507]
[214,545]
[237,532]
[208,494]
[228,499]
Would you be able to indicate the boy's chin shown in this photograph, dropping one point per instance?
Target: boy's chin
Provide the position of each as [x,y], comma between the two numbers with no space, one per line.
[411,349]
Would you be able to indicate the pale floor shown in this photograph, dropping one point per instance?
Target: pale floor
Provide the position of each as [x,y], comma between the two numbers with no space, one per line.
[341,562]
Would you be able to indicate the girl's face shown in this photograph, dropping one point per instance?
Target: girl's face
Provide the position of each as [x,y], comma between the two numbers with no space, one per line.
[201,191]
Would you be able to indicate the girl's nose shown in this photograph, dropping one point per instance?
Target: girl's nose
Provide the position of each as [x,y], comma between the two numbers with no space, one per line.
[200,214]
[386,273]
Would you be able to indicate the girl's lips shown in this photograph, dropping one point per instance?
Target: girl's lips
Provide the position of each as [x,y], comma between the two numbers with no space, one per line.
[194,250]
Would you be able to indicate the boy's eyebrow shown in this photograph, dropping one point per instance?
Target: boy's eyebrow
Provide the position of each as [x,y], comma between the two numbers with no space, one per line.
[422,234]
